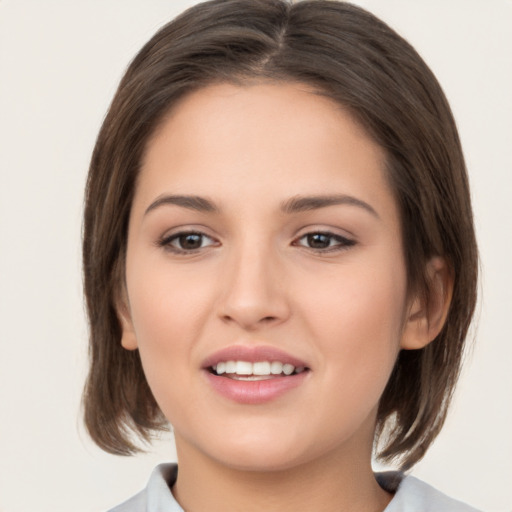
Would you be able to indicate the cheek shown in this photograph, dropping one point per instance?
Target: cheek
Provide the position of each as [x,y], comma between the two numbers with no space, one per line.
[166,322]
[357,319]
[168,313]
[167,304]
[357,326]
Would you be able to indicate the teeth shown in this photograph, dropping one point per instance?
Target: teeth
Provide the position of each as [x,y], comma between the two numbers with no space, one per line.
[288,369]
[260,368]
[276,367]
[243,368]
[230,367]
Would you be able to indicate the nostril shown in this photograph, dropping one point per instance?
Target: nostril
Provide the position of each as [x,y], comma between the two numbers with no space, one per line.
[253,312]
[264,320]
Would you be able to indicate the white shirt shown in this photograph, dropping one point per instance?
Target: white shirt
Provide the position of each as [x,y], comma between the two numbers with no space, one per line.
[411,494]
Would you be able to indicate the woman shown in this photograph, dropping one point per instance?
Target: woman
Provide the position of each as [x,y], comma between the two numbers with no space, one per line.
[279,260]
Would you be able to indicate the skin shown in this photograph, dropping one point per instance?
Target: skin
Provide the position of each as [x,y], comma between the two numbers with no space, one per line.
[255,279]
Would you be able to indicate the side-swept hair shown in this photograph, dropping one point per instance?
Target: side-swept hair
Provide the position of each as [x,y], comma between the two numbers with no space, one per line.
[356,60]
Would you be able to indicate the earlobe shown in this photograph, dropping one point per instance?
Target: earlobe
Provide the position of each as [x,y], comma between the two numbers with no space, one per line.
[128,338]
[428,311]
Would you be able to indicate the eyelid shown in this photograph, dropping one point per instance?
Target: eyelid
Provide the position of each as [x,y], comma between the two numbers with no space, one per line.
[343,244]
[166,240]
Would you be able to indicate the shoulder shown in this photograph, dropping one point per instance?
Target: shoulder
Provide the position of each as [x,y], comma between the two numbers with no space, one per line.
[413,495]
[157,494]
[136,503]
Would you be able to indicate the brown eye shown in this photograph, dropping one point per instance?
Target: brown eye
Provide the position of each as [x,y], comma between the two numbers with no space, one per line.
[318,240]
[188,241]
[324,241]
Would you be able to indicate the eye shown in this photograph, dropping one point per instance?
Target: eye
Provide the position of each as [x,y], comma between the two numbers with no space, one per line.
[186,242]
[324,241]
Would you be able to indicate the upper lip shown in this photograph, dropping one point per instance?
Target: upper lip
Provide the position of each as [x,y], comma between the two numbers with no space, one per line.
[252,354]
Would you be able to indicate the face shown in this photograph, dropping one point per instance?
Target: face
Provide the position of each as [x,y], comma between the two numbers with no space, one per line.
[265,278]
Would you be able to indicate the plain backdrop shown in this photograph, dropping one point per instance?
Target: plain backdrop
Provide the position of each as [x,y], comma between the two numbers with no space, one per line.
[60,62]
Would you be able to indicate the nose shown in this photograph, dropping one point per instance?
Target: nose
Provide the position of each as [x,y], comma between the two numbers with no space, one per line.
[254,291]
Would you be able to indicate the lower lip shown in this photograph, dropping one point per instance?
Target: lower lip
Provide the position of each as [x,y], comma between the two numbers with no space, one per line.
[254,392]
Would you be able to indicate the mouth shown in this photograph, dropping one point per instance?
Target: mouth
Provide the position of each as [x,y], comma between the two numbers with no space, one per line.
[254,374]
[255,371]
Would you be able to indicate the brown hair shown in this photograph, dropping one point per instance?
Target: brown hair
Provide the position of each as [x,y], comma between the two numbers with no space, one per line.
[352,57]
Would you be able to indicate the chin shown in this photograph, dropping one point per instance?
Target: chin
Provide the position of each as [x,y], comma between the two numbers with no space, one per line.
[264,453]
[261,460]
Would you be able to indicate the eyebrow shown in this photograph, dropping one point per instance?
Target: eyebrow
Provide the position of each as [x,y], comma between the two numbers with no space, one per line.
[293,205]
[197,203]
[305,203]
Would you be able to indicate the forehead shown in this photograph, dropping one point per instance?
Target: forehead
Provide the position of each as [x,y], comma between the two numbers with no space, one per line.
[266,138]
[215,114]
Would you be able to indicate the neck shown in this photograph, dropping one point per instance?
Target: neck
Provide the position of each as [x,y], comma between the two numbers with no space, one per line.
[335,482]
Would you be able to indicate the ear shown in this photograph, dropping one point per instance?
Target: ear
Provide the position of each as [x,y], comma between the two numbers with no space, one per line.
[428,309]
[128,338]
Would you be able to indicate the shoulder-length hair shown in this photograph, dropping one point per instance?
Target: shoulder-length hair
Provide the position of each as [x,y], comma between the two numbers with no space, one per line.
[356,60]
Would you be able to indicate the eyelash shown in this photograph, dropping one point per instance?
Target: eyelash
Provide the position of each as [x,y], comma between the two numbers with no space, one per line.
[341,243]
[167,242]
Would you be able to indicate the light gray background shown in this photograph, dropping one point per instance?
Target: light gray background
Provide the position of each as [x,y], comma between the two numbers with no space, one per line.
[60,62]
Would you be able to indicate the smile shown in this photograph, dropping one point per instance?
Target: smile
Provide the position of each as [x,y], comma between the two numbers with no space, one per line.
[259,370]
[254,374]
